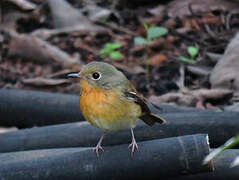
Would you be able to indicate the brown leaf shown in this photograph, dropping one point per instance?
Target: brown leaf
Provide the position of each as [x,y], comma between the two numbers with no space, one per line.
[170,23]
[193,98]
[131,70]
[212,94]
[210,18]
[157,60]
[79,44]
[38,51]
[178,98]
[225,74]
[211,107]
[181,8]
[66,16]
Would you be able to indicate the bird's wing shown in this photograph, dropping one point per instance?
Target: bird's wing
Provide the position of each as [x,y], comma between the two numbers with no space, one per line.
[147,116]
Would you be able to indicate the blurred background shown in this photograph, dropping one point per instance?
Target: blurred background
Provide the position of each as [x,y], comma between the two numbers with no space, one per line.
[170,50]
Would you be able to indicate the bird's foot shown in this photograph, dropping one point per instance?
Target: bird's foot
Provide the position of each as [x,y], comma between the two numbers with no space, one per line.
[133,146]
[97,149]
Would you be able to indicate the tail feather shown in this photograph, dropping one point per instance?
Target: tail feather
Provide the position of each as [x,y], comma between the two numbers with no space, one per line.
[151,119]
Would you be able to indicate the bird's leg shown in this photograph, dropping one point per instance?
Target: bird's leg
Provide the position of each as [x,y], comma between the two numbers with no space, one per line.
[98,146]
[133,144]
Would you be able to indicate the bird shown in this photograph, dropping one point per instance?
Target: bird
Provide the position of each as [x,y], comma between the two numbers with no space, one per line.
[109,101]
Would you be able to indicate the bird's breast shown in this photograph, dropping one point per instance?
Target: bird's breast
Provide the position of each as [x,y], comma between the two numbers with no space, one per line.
[107,109]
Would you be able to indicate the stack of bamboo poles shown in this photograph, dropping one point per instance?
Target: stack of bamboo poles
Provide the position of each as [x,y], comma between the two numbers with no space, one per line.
[174,150]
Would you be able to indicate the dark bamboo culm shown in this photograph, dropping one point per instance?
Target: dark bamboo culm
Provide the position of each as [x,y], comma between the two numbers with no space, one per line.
[155,159]
[222,168]
[26,108]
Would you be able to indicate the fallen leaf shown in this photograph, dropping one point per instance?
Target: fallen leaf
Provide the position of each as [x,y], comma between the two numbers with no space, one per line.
[24,4]
[131,70]
[157,59]
[214,57]
[199,70]
[96,13]
[157,11]
[225,74]
[39,51]
[210,18]
[193,98]
[79,44]
[181,8]
[73,17]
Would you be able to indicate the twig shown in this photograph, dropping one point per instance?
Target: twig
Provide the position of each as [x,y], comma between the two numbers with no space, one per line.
[117,28]
[180,82]
[228,18]
[209,31]
[188,37]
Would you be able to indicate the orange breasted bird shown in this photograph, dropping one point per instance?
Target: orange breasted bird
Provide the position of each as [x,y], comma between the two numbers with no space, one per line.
[109,101]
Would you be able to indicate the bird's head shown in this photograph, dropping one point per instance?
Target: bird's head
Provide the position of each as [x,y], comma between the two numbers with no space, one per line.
[101,75]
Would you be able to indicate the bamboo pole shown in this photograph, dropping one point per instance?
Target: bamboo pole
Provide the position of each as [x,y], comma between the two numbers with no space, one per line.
[25,108]
[222,168]
[219,126]
[162,158]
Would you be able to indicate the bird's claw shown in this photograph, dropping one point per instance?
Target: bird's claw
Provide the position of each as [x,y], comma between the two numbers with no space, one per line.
[133,146]
[97,148]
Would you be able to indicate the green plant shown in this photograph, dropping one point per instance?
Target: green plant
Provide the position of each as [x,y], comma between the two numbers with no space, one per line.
[110,50]
[193,52]
[152,33]
[230,143]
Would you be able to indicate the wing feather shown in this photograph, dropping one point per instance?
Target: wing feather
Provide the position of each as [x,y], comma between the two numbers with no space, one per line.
[147,116]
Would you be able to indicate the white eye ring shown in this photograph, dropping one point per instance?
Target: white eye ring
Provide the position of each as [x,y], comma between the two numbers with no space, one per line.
[96,76]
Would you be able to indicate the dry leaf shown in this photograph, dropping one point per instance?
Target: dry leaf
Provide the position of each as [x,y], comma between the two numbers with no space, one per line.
[193,98]
[38,51]
[181,8]
[157,60]
[225,74]
[23,4]
[65,16]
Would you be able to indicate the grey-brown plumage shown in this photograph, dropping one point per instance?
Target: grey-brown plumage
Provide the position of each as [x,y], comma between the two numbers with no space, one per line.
[147,116]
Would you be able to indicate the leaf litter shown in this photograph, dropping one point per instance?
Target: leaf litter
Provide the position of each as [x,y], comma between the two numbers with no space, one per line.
[41,41]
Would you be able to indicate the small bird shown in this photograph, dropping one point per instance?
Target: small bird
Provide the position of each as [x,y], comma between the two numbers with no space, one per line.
[109,101]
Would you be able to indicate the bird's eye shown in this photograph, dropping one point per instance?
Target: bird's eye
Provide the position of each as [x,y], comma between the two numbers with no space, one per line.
[96,76]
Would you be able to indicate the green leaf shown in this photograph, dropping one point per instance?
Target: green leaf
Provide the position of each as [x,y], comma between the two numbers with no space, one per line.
[140,41]
[218,110]
[109,47]
[230,143]
[104,52]
[185,59]
[155,32]
[192,51]
[112,46]
[146,27]
[116,55]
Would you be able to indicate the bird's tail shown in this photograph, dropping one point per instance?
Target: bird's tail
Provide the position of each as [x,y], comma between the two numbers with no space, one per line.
[151,119]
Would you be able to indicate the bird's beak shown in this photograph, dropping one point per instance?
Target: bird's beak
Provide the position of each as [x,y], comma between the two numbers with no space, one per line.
[74,75]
